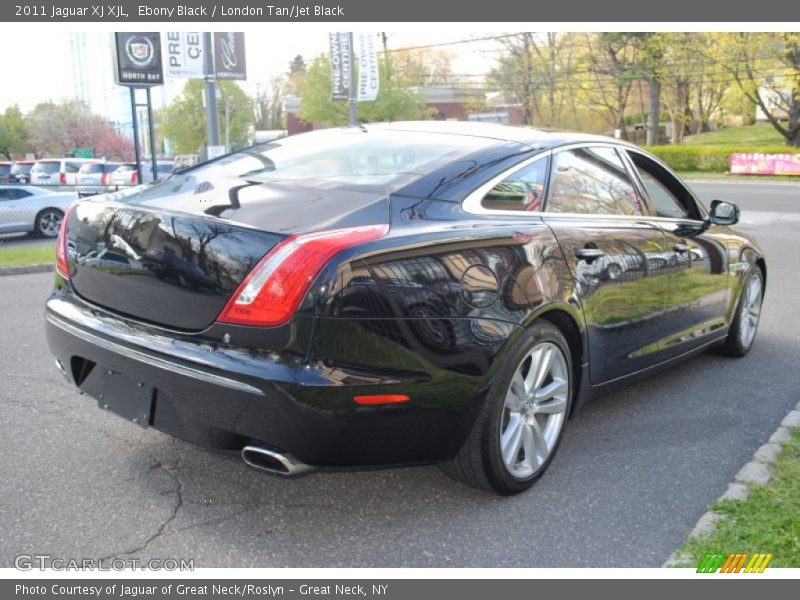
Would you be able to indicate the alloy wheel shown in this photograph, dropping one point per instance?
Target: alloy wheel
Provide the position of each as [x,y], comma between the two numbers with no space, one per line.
[751,310]
[534,410]
[49,223]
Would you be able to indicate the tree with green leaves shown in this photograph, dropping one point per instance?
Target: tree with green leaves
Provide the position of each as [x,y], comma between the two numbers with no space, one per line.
[13,132]
[766,68]
[395,101]
[183,122]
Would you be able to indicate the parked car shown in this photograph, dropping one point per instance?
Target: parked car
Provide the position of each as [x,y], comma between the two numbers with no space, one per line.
[95,178]
[5,172]
[381,295]
[21,171]
[126,175]
[28,209]
[56,171]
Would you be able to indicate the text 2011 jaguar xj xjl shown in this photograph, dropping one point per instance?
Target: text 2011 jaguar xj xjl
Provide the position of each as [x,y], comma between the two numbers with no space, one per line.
[396,294]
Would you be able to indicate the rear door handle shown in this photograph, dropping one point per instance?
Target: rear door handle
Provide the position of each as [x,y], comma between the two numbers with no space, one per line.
[588,254]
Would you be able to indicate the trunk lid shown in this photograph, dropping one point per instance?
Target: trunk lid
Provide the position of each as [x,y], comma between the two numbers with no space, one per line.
[174,253]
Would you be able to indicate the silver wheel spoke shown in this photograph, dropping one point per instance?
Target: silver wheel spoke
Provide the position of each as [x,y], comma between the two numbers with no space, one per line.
[539,441]
[557,388]
[541,361]
[511,440]
[516,392]
[552,407]
[529,446]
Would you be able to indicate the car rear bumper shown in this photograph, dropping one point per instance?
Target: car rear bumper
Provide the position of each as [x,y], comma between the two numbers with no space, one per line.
[225,397]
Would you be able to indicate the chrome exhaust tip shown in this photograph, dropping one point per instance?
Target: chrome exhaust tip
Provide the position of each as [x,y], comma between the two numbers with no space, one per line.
[273,461]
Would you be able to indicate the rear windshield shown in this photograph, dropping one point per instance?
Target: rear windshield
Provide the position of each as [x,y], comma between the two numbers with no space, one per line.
[47,167]
[126,168]
[5,169]
[21,168]
[91,168]
[340,157]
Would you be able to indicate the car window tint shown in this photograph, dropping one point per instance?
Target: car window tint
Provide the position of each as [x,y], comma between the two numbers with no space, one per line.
[668,195]
[20,194]
[523,190]
[72,167]
[665,203]
[47,167]
[592,181]
[5,195]
[91,168]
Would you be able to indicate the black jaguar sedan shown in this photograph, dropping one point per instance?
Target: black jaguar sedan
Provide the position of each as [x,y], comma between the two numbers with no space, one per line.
[396,294]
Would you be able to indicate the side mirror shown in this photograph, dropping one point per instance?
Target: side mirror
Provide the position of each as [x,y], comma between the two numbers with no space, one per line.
[723,213]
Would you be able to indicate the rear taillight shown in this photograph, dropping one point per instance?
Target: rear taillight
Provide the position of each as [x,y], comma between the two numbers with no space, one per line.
[104,179]
[133,177]
[62,264]
[63,179]
[273,290]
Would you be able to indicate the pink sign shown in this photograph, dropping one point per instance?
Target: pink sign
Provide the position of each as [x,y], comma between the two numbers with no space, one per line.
[758,163]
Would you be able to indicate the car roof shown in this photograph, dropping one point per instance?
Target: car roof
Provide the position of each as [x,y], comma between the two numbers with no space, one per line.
[529,136]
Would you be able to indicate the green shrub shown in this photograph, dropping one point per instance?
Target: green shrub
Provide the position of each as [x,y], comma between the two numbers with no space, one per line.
[707,158]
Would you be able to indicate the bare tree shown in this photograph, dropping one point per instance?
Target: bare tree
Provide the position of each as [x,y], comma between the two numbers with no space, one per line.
[269,104]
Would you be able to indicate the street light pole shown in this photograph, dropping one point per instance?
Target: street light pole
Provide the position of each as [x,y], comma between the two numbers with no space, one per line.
[227,125]
[211,93]
[352,98]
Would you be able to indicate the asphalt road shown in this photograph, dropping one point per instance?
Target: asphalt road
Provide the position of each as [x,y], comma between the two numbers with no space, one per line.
[634,473]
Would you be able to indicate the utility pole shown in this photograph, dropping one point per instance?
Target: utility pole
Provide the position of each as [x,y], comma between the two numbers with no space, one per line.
[352,96]
[211,93]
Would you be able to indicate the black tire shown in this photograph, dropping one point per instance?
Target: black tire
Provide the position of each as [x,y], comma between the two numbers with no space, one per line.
[479,462]
[734,345]
[46,223]
[613,272]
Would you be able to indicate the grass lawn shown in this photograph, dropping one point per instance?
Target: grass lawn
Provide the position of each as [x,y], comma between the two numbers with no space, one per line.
[768,521]
[17,256]
[760,134]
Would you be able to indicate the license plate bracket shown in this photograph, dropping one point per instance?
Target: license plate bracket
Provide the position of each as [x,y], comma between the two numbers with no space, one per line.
[124,396]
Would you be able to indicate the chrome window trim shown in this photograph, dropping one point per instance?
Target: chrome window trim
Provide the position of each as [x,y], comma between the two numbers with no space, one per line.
[700,206]
[472,203]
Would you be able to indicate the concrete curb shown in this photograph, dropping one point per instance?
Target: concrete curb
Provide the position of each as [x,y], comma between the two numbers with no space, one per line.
[41,268]
[755,471]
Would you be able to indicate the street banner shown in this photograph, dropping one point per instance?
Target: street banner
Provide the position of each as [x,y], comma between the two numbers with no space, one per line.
[229,56]
[340,65]
[758,163]
[368,73]
[137,59]
[183,54]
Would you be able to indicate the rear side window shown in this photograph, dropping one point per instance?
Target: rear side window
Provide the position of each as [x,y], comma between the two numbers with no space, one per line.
[592,180]
[47,167]
[523,190]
